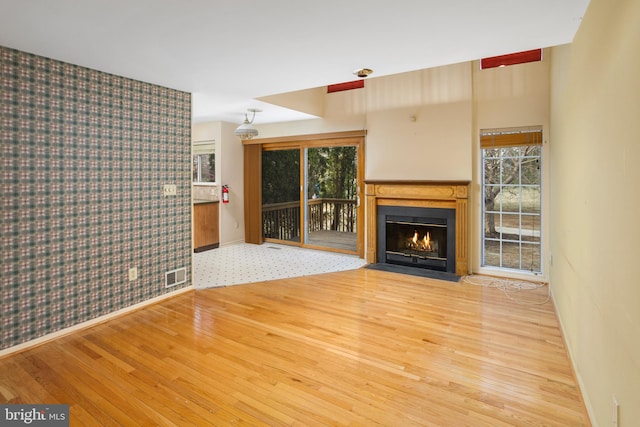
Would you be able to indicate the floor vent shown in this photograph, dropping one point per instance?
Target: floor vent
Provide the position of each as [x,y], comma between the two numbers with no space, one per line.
[175,277]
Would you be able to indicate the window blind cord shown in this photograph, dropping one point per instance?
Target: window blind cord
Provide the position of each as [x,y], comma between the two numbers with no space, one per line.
[509,287]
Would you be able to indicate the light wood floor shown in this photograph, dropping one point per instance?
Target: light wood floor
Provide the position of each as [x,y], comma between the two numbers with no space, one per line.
[360,347]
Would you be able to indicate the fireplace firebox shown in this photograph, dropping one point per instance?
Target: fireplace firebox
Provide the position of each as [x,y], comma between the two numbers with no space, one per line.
[417,237]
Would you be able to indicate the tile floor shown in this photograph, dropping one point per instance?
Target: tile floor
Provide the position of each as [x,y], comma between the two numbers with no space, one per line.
[247,263]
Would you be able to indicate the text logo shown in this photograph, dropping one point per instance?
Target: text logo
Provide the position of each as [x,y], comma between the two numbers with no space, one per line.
[34,415]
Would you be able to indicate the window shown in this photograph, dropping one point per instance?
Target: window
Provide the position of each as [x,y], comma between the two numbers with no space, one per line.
[204,167]
[204,162]
[511,190]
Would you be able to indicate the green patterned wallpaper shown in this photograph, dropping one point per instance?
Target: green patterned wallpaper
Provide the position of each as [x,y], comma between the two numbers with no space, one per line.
[84,157]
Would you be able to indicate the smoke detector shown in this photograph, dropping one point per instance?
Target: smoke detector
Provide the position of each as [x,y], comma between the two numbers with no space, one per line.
[363,72]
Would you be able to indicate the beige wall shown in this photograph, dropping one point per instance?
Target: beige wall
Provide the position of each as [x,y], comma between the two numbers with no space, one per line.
[207,132]
[586,97]
[424,125]
[504,97]
[232,174]
[512,96]
[229,171]
[313,126]
[595,150]
[429,142]
[418,124]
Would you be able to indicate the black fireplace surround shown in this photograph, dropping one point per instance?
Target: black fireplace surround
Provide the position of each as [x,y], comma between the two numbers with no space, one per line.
[417,237]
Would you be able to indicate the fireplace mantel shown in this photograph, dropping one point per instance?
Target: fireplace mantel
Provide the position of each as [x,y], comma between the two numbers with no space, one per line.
[429,194]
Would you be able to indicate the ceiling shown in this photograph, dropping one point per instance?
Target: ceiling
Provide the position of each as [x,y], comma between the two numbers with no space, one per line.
[230,52]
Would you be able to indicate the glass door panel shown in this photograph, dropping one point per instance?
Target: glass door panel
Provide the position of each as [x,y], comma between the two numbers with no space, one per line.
[281,195]
[512,208]
[331,197]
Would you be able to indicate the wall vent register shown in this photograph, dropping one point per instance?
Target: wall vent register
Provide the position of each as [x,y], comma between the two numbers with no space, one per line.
[175,277]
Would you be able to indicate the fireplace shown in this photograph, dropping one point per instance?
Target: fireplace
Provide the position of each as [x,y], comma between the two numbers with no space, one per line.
[417,237]
[418,223]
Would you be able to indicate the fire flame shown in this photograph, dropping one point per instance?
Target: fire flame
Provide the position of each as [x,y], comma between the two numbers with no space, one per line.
[424,244]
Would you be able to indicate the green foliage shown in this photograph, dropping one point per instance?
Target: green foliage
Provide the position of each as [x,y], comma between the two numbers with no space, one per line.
[332,173]
[280,176]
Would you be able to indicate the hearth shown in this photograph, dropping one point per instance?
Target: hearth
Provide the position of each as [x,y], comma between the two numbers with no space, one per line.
[417,237]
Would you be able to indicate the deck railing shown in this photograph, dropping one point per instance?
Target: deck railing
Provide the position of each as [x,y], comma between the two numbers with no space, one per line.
[282,220]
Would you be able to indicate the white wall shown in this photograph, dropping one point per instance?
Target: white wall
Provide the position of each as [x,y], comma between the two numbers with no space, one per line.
[595,153]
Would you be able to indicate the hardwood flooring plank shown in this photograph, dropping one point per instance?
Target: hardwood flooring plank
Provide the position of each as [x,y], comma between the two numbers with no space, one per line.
[360,347]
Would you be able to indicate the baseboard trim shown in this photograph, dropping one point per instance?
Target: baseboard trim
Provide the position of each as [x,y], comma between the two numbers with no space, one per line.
[233,242]
[206,247]
[576,373]
[89,323]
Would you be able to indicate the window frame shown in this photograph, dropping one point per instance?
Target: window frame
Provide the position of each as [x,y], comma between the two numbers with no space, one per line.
[196,161]
[505,139]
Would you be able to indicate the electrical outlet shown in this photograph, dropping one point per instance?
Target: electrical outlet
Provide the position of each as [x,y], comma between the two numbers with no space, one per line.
[615,408]
[169,190]
[133,273]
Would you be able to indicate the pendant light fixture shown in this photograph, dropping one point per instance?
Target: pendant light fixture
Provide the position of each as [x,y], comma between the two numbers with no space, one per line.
[246,130]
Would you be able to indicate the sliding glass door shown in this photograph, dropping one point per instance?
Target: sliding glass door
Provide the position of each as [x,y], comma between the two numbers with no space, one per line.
[281,195]
[310,195]
[331,197]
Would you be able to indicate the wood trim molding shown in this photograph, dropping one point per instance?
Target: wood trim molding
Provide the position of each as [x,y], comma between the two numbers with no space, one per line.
[511,139]
[252,194]
[438,194]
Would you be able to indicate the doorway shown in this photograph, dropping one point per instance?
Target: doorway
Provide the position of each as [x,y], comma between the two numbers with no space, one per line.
[310,193]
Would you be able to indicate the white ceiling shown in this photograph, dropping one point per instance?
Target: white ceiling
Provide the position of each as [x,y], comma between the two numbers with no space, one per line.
[229,52]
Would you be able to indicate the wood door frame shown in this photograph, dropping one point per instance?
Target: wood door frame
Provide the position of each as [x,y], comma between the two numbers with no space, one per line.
[253,178]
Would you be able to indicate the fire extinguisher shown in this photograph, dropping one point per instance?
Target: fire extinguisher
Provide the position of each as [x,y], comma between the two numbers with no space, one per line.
[225,194]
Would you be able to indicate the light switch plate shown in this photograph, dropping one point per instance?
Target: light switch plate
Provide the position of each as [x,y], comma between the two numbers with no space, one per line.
[169,190]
